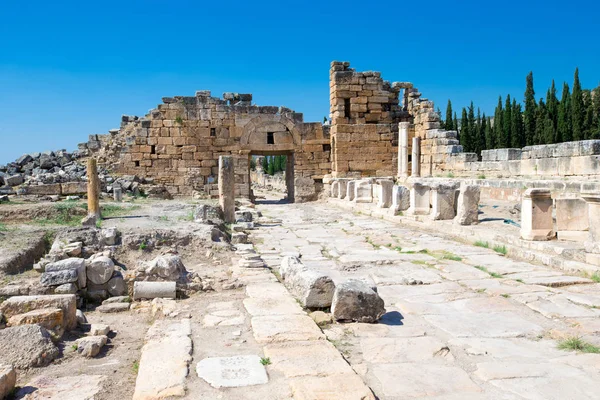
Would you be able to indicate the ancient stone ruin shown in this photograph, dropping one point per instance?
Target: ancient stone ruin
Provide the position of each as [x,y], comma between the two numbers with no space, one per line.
[162,260]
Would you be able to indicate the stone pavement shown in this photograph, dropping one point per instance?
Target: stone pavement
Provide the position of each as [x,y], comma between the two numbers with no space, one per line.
[462,322]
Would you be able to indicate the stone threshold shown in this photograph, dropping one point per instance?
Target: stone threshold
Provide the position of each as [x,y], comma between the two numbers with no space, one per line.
[549,253]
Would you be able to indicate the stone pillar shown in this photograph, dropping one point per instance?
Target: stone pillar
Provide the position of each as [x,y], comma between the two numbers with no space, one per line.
[227,188]
[419,200]
[416,157]
[93,186]
[403,149]
[536,215]
[400,199]
[290,181]
[467,210]
[592,245]
[350,188]
[363,192]
[385,187]
[335,189]
[443,196]
[342,189]
[118,193]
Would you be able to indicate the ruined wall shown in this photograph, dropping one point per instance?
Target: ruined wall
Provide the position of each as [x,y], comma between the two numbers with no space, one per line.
[569,159]
[178,144]
[365,112]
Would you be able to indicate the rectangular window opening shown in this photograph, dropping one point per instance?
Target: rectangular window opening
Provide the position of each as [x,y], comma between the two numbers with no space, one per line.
[137,163]
[326,147]
[213,132]
[347,108]
[152,149]
[270,138]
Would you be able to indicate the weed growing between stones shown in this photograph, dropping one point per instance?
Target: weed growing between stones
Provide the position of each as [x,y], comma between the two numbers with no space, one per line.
[595,276]
[135,367]
[265,361]
[505,295]
[479,243]
[578,344]
[501,250]
[492,274]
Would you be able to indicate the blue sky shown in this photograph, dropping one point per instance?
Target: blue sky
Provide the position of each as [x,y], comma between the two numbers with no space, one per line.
[69,69]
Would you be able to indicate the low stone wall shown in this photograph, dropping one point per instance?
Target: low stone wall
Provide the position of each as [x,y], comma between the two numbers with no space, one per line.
[577,159]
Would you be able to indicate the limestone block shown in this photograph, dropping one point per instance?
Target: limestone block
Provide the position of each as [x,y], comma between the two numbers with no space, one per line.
[100,270]
[507,154]
[8,379]
[443,197]
[536,215]
[235,371]
[289,265]
[335,189]
[363,192]
[27,346]
[355,300]
[384,195]
[342,188]
[152,290]
[467,210]
[419,199]
[571,214]
[90,346]
[22,304]
[350,190]
[313,289]
[50,318]
[400,199]
[592,245]
[70,264]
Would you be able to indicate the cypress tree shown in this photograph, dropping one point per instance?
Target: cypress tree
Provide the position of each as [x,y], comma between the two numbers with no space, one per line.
[552,115]
[482,132]
[265,164]
[507,124]
[455,124]
[449,121]
[596,109]
[489,135]
[588,122]
[530,107]
[540,117]
[498,125]
[472,129]
[477,146]
[516,126]
[563,126]
[577,109]
[464,131]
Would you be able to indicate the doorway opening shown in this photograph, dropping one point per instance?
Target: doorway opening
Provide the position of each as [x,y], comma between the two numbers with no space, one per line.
[271,177]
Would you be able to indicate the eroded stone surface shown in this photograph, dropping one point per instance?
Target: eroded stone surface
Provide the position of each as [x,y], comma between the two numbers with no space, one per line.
[232,371]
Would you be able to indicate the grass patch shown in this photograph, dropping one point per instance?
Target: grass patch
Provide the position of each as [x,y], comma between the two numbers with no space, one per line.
[520,280]
[481,176]
[113,210]
[485,245]
[450,175]
[188,217]
[492,274]
[595,276]
[419,262]
[63,217]
[375,246]
[501,250]
[480,290]
[135,367]
[265,361]
[143,246]
[578,344]
[505,295]
[3,227]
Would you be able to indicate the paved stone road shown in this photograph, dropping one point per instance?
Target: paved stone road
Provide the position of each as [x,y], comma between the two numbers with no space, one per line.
[463,322]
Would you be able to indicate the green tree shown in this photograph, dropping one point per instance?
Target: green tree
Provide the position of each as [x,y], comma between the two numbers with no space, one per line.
[552,105]
[588,123]
[449,125]
[563,127]
[498,125]
[464,138]
[252,164]
[490,142]
[529,116]
[455,124]
[516,126]
[265,164]
[596,109]
[507,124]
[577,109]
[482,132]
[472,129]
[540,117]
[271,167]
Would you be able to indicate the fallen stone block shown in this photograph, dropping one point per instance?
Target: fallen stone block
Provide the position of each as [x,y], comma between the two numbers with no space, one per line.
[58,277]
[109,236]
[152,290]
[239,238]
[69,264]
[64,388]
[467,210]
[8,379]
[235,371]
[243,216]
[23,304]
[99,330]
[100,270]
[356,301]
[161,376]
[90,346]
[50,318]
[313,289]
[113,308]
[168,267]
[27,346]
[116,286]
[290,265]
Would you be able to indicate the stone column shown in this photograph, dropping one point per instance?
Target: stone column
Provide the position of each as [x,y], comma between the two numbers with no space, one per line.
[227,188]
[290,179]
[93,186]
[416,157]
[536,215]
[403,149]
[592,245]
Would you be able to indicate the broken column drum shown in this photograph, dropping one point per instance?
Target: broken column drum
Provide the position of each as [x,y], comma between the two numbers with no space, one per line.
[227,188]
[93,188]
[536,215]
[152,290]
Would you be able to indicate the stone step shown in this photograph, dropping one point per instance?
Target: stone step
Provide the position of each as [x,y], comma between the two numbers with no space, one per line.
[166,356]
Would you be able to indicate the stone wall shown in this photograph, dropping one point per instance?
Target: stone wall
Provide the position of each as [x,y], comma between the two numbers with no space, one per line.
[178,143]
[569,159]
